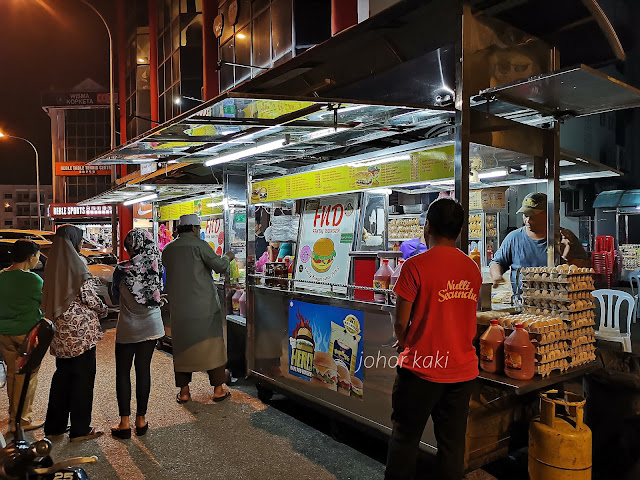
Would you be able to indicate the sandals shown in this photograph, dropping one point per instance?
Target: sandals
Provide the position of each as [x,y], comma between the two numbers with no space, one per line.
[121,433]
[223,398]
[140,431]
[181,401]
[91,435]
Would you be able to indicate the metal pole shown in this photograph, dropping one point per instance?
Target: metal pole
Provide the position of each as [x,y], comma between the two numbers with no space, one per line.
[112,122]
[37,176]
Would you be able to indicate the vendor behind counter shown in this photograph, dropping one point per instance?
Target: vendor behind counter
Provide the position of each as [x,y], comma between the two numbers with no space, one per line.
[527,246]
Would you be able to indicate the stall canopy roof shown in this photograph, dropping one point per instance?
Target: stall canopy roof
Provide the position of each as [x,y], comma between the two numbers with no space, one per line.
[165,193]
[290,132]
[618,199]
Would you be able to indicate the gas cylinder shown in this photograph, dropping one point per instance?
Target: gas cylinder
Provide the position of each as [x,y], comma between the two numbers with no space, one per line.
[559,441]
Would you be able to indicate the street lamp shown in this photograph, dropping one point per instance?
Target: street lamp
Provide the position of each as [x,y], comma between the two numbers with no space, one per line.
[112,114]
[2,135]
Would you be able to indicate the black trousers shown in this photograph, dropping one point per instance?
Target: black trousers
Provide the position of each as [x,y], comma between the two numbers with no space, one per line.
[217,377]
[71,395]
[125,355]
[414,400]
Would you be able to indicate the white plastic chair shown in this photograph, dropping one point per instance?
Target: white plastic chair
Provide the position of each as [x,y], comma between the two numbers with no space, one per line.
[634,280]
[610,316]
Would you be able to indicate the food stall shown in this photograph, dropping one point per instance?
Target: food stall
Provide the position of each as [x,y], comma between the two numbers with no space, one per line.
[332,163]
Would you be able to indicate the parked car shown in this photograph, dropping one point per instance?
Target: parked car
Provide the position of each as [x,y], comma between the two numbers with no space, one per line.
[101,271]
[98,253]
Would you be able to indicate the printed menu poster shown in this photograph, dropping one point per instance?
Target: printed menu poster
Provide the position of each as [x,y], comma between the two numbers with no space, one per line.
[213,231]
[326,347]
[326,238]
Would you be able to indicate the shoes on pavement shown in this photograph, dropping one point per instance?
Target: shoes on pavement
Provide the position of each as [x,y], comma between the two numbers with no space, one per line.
[140,431]
[27,427]
[122,433]
[93,433]
[222,398]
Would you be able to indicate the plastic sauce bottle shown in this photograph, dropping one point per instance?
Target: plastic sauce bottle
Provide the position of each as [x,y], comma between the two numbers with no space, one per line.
[519,355]
[394,279]
[475,256]
[381,279]
[235,302]
[492,348]
[242,304]
[291,266]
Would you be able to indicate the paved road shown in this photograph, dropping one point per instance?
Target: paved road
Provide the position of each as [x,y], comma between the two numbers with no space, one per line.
[241,438]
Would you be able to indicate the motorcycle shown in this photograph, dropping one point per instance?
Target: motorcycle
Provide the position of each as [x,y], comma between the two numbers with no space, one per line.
[21,460]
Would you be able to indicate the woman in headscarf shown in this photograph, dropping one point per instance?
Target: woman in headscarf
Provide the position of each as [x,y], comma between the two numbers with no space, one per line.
[137,283]
[70,300]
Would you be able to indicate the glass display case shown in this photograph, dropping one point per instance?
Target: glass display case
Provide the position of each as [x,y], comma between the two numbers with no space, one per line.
[484,229]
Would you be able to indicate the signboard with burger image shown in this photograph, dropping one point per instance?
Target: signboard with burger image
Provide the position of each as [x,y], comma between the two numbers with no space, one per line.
[326,238]
[326,347]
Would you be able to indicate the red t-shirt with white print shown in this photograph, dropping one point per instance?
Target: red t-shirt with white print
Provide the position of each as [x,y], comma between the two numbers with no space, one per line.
[444,285]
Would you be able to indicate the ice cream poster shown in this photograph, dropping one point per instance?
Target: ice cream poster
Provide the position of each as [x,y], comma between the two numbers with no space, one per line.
[326,238]
[326,347]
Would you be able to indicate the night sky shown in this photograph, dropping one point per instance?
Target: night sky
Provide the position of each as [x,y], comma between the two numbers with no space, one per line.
[45,45]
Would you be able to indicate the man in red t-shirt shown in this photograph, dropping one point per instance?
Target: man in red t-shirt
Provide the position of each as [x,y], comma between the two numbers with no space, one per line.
[435,323]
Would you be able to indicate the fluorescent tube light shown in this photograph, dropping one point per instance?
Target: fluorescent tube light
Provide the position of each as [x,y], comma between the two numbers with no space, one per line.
[265,147]
[144,198]
[383,191]
[322,133]
[448,181]
[493,174]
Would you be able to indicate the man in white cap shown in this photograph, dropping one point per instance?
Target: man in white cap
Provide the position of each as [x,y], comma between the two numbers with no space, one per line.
[196,316]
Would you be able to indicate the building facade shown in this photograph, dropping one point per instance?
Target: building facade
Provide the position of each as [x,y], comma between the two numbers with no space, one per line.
[20,206]
[79,132]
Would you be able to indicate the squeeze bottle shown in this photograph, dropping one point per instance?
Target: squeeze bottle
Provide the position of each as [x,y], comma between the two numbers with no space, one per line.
[519,355]
[381,279]
[492,348]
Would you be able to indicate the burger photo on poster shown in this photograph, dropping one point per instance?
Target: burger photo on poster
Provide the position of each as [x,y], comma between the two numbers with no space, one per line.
[322,255]
[325,371]
[356,387]
[344,380]
[364,179]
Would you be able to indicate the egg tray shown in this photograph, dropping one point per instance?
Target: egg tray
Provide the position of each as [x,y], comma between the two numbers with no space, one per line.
[578,324]
[584,286]
[556,294]
[581,332]
[553,312]
[582,358]
[561,302]
[587,339]
[550,347]
[552,356]
[532,323]
[545,369]
[559,270]
[587,348]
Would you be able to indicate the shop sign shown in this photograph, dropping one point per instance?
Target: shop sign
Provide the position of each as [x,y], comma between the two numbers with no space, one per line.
[147,168]
[143,210]
[72,169]
[71,210]
[326,347]
[76,99]
[433,164]
[326,239]
[488,199]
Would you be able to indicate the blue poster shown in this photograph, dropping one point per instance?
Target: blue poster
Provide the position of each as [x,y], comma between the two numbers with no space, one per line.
[326,346]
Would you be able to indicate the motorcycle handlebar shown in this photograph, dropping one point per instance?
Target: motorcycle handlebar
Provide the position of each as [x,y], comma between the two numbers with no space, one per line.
[69,462]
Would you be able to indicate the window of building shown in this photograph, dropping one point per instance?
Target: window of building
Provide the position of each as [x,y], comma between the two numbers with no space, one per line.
[8,223]
[8,196]
[8,207]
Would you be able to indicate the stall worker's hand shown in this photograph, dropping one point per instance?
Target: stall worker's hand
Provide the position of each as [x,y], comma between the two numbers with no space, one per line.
[399,348]
[497,282]
[231,255]
[164,299]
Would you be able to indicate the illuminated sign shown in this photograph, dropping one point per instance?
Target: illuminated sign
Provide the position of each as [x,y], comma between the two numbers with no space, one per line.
[71,210]
[72,169]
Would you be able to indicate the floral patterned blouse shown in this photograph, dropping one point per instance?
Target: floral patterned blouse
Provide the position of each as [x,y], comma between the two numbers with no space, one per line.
[78,329]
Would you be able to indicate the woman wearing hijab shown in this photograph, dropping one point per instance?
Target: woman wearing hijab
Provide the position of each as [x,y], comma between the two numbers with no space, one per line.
[137,283]
[70,300]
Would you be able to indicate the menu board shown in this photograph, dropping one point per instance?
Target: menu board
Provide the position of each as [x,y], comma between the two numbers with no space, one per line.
[433,164]
[199,207]
[326,238]
[488,199]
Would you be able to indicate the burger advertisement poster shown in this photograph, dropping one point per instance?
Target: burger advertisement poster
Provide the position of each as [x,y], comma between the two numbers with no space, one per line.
[326,238]
[326,347]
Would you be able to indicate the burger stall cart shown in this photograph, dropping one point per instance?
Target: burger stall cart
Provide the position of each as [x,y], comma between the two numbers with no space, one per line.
[279,140]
